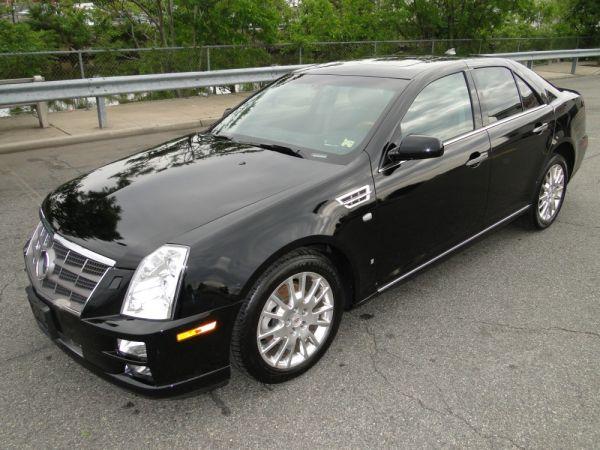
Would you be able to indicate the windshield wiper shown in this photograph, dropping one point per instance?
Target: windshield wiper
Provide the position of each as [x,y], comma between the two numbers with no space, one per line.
[222,137]
[276,148]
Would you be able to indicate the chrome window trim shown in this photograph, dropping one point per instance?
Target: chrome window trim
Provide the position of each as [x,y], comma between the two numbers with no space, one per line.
[474,132]
[450,250]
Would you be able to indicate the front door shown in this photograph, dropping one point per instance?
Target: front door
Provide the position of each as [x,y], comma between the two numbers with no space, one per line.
[426,206]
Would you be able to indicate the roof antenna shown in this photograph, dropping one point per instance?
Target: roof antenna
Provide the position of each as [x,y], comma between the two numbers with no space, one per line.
[450,52]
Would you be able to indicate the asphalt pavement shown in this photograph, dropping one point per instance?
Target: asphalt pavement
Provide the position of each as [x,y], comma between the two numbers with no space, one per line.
[496,347]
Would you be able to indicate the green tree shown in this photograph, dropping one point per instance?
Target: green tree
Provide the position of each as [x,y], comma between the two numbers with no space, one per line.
[19,37]
[584,17]
[73,25]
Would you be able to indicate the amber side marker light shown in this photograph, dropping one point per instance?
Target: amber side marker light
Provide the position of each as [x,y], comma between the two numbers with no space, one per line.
[202,329]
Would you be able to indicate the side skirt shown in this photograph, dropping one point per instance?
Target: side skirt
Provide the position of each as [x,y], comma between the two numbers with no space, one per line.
[450,250]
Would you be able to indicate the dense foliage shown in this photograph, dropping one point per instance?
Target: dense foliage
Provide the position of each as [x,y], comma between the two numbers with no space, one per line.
[67,25]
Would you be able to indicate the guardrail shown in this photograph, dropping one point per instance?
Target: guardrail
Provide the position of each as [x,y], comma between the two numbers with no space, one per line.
[105,86]
[102,87]
[530,57]
[41,107]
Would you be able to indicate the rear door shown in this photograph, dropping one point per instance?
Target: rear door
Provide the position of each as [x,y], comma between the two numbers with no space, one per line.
[520,127]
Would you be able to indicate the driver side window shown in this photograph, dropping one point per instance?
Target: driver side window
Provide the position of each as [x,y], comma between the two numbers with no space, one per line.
[442,109]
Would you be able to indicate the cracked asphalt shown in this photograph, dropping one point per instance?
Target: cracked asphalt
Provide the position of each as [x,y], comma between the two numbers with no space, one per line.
[496,347]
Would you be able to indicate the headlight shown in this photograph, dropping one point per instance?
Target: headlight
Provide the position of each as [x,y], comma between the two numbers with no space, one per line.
[152,290]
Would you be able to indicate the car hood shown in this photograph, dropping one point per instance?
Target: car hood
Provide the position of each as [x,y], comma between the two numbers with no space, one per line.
[128,208]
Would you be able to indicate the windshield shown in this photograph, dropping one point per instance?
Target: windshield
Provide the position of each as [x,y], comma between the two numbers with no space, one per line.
[324,117]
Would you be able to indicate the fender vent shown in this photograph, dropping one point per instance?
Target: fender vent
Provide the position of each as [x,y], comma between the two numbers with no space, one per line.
[355,197]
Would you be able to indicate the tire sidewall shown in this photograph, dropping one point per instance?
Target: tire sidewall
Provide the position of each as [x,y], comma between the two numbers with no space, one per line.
[537,220]
[252,308]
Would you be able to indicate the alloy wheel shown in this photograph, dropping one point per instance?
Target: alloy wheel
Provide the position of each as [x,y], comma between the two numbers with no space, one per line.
[295,320]
[551,192]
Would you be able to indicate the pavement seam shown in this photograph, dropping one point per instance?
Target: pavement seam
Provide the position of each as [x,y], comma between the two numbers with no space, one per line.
[449,411]
[24,355]
[537,330]
[56,127]
[36,197]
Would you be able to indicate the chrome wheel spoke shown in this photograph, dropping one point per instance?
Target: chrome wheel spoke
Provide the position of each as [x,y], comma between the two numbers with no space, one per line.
[551,193]
[289,333]
[270,345]
[278,301]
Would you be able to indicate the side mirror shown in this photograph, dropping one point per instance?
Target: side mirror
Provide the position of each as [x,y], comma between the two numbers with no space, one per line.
[415,146]
[227,111]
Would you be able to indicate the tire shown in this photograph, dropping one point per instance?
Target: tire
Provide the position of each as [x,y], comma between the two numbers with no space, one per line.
[304,322]
[540,218]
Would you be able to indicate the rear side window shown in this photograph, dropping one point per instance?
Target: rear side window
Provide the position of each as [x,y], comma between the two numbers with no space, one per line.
[498,92]
[442,109]
[529,98]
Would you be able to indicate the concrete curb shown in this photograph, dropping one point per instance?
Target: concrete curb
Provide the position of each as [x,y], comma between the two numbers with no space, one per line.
[101,136]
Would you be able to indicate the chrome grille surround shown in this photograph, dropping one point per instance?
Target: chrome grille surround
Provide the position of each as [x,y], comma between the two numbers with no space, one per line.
[63,272]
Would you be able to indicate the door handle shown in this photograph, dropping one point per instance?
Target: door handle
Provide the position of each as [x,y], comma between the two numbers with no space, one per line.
[540,128]
[476,158]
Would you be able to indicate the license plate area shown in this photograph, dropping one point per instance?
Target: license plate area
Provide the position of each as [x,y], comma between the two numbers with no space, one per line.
[43,316]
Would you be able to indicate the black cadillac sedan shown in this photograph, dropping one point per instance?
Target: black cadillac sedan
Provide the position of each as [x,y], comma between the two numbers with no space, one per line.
[245,244]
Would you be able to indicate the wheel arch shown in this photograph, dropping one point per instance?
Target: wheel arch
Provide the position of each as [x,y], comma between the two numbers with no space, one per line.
[331,249]
[567,151]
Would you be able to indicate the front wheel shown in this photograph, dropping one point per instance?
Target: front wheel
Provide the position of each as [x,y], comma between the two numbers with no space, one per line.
[550,193]
[289,319]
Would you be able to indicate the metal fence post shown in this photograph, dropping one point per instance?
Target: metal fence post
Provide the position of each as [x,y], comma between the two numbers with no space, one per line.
[207,58]
[374,48]
[81,64]
[101,105]
[41,107]
[300,55]
[433,47]
[574,66]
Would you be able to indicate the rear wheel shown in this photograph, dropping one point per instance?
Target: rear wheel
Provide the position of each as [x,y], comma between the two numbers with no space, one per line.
[289,318]
[550,193]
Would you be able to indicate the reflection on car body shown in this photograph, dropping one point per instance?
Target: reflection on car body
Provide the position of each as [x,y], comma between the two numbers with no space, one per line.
[244,244]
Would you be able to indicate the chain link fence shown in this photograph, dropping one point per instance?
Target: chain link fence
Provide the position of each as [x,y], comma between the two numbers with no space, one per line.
[63,65]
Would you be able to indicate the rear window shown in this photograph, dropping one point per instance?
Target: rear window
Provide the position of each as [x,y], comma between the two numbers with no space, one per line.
[498,92]
[528,97]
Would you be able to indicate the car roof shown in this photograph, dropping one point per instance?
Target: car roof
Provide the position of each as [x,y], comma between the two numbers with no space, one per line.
[397,67]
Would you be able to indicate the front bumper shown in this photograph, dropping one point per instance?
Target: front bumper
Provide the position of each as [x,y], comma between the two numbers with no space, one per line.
[199,363]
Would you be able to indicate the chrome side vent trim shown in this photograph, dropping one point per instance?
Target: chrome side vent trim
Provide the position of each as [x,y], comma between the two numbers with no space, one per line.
[356,197]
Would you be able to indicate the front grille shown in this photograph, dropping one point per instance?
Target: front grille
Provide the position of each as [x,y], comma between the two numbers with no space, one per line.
[64,272]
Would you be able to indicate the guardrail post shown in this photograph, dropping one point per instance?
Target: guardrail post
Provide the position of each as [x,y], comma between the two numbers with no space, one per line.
[574,66]
[41,107]
[101,105]
[81,70]
[300,55]
[530,64]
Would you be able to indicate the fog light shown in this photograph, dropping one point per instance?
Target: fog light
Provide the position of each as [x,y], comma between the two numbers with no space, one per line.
[132,348]
[138,371]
